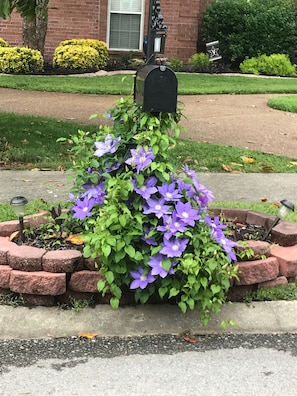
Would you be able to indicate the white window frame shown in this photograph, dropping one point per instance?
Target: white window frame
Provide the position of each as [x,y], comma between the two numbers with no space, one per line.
[140,43]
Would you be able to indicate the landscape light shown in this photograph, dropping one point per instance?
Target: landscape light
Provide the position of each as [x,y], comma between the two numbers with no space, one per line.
[19,206]
[283,211]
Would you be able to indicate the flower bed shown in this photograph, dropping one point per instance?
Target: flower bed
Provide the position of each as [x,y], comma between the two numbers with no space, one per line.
[48,278]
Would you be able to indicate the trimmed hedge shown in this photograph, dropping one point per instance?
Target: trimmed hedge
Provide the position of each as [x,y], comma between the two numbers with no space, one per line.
[20,60]
[3,43]
[81,54]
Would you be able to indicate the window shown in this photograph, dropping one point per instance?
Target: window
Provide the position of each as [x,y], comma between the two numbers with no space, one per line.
[125,24]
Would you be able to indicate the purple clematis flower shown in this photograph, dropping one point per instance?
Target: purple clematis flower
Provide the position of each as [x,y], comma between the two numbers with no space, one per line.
[147,189]
[205,197]
[110,145]
[219,236]
[94,191]
[141,279]
[186,213]
[82,208]
[141,158]
[112,167]
[171,225]
[174,247]
[169,192]
[157,269]
[157,207]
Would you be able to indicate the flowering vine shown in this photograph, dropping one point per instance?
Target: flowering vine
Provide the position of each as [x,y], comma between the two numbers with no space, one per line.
[146,222]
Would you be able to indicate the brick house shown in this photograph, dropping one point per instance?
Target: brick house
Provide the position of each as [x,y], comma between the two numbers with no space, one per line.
[120,23]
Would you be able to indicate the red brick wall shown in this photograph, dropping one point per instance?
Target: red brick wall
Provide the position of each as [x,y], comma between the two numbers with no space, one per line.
[70,19]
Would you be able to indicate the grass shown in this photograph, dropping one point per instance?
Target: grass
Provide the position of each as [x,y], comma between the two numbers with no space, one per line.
[188,84]
[288,293]
[284,103]
[28,142]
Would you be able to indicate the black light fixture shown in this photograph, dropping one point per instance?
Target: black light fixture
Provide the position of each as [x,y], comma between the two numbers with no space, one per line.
[156,34]
[285,208]
[19,206]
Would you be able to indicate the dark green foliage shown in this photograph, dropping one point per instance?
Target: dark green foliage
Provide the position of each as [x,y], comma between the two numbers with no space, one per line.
[247,28]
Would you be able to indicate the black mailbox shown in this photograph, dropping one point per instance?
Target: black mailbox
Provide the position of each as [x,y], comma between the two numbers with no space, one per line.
[156,89]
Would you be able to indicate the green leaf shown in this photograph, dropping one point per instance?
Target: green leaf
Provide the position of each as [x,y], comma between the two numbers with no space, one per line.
[166,264]
[173,292]
[204,282]
[215,289]
[101,285]
[183,306]
[109,277]
[116,291]
[106,249]
[122,220]
[162,291]
[114,302]
[130,251]
[119,256]
[191,303]
[111,240]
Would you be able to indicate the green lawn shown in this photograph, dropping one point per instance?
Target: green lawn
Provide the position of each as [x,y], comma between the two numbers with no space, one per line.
[188,84]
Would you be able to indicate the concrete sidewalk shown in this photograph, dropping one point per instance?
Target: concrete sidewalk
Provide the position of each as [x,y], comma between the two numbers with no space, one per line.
[242,187]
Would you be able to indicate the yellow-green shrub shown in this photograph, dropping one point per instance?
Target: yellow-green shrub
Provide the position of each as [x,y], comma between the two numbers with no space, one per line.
[199,60]
[99,46]
[273,65]
[76,57]
[3,43]
[20,60]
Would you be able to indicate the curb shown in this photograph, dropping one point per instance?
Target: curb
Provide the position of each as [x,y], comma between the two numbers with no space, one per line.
[44,323]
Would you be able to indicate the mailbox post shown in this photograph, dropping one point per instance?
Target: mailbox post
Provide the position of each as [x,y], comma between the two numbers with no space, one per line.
[155,86]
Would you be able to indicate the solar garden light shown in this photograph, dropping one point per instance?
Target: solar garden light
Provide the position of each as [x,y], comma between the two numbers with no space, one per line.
[19,206]
[285,208]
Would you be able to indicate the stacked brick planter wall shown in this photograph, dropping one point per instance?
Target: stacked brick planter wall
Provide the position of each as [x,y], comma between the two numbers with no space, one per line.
[47,277]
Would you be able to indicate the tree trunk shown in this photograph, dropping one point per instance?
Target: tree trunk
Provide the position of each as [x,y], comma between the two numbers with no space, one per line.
[29,31]
[41,23]
[35,26]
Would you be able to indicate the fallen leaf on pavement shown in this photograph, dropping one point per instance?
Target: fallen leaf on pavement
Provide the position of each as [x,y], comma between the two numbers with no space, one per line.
[87,335]
[190,339]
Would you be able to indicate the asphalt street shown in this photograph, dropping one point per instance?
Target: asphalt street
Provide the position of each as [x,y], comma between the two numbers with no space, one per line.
[247,365]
